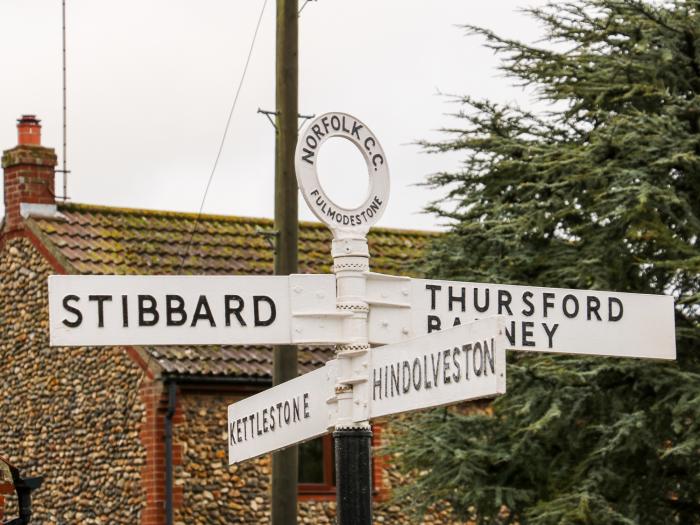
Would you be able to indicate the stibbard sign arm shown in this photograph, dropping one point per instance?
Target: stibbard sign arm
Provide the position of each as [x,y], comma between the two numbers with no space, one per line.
[100,310]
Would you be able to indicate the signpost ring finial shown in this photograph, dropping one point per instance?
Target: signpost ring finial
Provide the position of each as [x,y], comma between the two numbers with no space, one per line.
[336,217]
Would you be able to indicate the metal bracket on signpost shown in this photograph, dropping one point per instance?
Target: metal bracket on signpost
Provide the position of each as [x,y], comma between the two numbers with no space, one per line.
[351,267]
[269,114]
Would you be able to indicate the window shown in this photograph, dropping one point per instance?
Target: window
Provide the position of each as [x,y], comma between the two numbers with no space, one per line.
[317,467]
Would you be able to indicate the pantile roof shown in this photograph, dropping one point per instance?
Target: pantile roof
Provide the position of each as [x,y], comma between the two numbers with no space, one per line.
[107,240]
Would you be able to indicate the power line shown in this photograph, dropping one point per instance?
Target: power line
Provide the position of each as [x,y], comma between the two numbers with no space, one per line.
[223,138]
[304,5]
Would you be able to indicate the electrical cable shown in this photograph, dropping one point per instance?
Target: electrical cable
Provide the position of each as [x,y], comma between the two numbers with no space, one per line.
[303,6]
[185,255]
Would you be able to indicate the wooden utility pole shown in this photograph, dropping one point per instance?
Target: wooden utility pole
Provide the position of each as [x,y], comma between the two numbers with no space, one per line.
[285,464]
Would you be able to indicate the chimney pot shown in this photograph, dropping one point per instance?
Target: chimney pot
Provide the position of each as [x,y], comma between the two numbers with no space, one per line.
[28,131]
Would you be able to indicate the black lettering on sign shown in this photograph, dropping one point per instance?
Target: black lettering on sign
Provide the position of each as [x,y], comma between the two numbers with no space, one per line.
[295,409]
[433,323]
[395,379]
[478,360]
[386,381]
[202,311]
[416,380]
[100,299]
[489,357]
[278,406]
[406,376]
[478,307]
[335,122]
[311,142]
[175,314]
[308,156]
[460,299]
[148,307]
[377,384]
[547,302]
[436,367]
[287,412]
[504,299]
[527,333]
[426,383]
[230,309]
[73,310]
[570,306]
[510,333]
[232,432]
[317,131]
[466,349]
[593,305]
[307,414]
[455,361]
[550,333]
[125,311]
[259,321]
[434,288]
[617,316]
[446,378]
[530,307]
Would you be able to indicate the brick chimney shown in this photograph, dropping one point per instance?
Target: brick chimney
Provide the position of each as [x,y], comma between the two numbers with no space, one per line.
[29,176]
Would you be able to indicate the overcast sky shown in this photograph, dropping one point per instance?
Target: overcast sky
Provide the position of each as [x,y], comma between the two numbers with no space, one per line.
[150,85]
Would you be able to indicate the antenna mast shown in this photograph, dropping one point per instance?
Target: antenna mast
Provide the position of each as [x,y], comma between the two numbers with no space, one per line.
[65,160]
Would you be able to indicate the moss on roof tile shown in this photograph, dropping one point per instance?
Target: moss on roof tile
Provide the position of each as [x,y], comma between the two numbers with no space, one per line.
[112,240]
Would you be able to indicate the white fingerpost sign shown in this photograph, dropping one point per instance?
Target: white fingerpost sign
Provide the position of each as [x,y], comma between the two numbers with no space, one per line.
[360,218]
[536,319]
[279,417]
[446,339]
[458,364]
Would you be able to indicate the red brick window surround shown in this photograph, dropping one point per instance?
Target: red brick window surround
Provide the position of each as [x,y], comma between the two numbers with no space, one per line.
[317,468]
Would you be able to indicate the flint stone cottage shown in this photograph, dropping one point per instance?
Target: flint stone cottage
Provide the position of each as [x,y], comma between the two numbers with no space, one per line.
[137,435]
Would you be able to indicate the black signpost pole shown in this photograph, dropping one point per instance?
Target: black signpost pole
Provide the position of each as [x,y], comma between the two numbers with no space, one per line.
[353,451]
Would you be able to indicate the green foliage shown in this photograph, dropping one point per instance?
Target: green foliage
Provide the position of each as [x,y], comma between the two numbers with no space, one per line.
[602,191]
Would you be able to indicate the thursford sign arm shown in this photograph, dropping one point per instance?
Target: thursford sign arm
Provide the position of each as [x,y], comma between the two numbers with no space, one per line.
[536,318]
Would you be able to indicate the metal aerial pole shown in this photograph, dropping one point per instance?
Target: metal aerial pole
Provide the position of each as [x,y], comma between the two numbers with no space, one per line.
[65,113]
[285,463]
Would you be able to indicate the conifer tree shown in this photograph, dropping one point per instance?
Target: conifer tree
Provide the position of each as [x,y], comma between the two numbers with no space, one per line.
[601,191]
